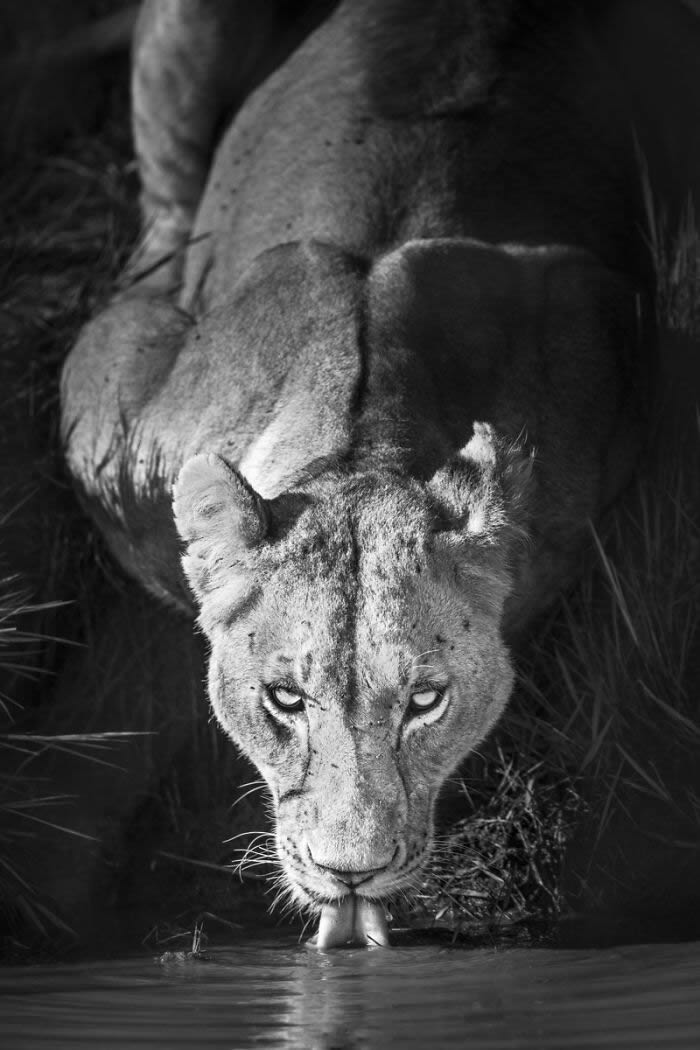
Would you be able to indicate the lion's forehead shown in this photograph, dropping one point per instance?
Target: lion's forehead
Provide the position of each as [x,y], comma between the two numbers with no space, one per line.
[369,518]
[355,558]
[375,666]
[375,615]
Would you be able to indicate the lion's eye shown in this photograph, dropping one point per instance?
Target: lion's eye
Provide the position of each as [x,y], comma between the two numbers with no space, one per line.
[426,699]
[285,699]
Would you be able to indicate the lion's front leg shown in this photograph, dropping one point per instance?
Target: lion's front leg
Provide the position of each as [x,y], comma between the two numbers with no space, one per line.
[121,360]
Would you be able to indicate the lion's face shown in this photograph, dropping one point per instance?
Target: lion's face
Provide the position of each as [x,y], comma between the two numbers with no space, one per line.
[355,658]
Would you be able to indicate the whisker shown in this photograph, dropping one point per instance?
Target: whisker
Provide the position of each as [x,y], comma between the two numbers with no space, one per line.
[278,898]
[256,850]
[250,791]
[245,863]
[307,923]
[260,853]
[242,834]
[256,858]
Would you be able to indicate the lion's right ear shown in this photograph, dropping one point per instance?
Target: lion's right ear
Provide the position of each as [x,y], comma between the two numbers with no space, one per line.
[219,516]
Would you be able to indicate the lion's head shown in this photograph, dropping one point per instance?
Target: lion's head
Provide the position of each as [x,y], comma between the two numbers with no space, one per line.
[356,654]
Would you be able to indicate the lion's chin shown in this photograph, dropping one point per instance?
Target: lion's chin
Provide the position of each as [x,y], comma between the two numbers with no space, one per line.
[352,920]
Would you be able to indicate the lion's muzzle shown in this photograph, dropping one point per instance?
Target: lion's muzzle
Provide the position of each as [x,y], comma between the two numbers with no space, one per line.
[346,828]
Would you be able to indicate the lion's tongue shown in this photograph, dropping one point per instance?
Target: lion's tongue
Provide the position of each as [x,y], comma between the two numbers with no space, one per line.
[353,920]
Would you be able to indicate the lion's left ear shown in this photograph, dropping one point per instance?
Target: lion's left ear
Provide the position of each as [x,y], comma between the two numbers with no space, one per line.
[220,517]
[483,490]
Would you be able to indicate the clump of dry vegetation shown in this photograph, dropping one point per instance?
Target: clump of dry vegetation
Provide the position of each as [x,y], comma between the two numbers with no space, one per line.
[501,865]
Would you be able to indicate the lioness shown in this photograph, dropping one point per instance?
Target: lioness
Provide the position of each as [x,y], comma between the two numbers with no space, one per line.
[380,357]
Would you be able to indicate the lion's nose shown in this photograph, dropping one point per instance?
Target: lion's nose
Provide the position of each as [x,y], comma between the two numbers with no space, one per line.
[351,877]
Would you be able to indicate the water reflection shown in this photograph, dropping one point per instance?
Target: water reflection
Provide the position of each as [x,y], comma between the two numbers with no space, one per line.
[323,1008]
[356,999]
[289,996]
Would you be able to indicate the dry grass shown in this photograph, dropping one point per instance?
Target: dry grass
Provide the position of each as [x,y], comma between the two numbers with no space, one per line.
[676,262]
[28,805]
[66,221]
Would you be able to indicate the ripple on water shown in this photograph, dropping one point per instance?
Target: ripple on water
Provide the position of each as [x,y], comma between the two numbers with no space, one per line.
[281,996]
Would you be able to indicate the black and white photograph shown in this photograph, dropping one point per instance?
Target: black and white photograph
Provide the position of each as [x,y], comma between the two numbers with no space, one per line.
[350,524]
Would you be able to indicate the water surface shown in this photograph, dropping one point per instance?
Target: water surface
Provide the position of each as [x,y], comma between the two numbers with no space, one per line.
[277,994]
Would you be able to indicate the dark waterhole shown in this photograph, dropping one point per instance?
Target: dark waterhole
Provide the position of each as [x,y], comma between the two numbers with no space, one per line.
[275,995]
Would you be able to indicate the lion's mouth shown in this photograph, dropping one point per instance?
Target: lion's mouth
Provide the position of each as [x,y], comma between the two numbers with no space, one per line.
[352,920]
[351,905]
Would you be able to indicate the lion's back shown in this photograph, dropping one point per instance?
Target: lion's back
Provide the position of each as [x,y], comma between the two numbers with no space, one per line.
[363,141]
